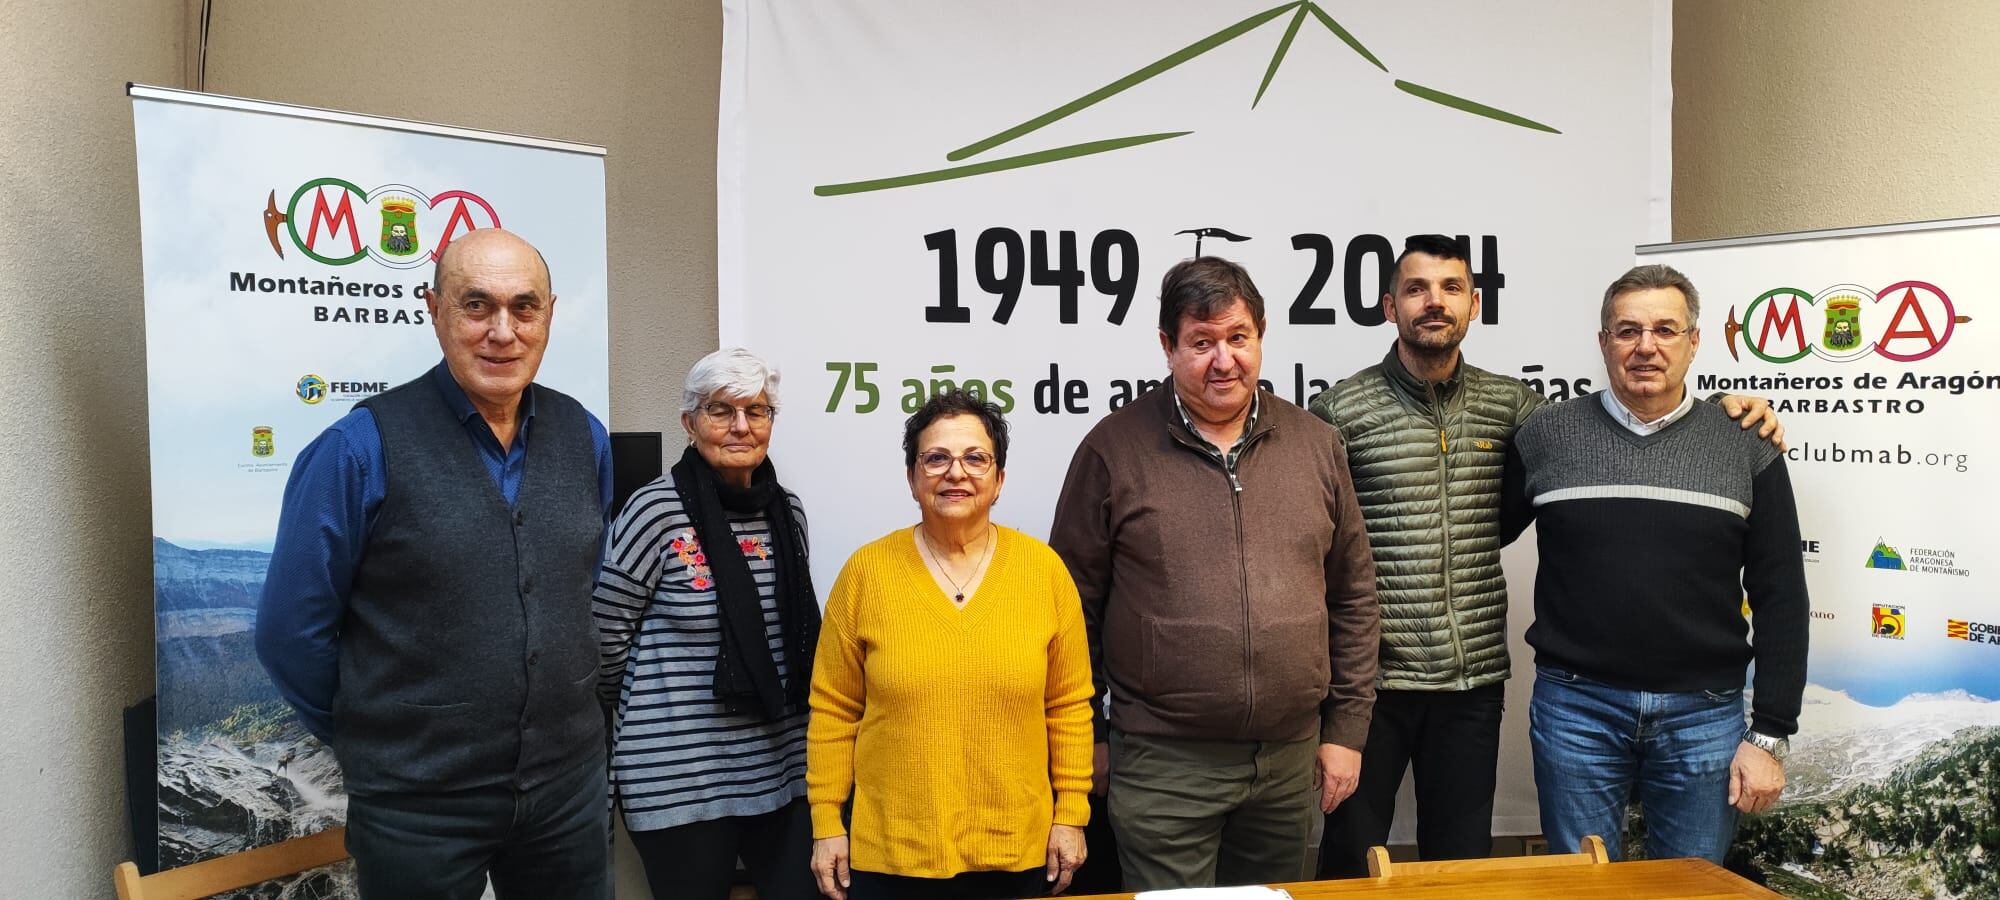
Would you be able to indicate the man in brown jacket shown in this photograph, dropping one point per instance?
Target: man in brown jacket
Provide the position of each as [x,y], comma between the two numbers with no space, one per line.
[1230,600]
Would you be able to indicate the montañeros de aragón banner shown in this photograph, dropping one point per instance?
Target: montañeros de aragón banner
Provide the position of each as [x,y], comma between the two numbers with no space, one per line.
[284,251]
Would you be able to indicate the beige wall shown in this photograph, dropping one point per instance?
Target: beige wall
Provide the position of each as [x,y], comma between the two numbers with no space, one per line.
[76,591]
[1792,115]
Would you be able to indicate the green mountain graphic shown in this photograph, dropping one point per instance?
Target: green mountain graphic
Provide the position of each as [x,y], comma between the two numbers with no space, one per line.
[1300,10]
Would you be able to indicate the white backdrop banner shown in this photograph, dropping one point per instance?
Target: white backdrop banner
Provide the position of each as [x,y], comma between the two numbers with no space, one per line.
[283,249]
[1878,350]
[914,194]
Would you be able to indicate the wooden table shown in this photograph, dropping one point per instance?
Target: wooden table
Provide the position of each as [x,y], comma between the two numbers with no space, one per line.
[1653,879]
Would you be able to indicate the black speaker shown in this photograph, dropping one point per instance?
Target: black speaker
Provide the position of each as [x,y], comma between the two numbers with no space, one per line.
[142,782]
[635,460]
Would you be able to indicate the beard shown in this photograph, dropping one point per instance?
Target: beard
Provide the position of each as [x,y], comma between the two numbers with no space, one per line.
[1432,344]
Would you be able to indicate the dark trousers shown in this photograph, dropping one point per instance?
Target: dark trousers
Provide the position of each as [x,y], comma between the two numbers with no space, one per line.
[1451,739]
[1192,813]
[697,861]
[968,886]
[552,841]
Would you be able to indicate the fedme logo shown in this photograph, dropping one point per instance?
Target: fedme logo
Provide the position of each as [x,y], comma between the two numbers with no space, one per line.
[311,389]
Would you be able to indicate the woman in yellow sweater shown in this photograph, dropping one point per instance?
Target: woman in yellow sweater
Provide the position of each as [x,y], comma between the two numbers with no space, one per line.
[951,691]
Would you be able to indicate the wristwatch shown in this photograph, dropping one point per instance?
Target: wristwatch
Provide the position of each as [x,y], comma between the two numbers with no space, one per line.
[1776,746]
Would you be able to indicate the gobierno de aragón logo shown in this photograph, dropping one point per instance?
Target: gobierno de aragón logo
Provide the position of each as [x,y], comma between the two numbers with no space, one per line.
[1300,11]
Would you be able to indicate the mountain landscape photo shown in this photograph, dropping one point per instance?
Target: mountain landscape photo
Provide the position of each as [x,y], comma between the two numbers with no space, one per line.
[236,768]
[1885,802]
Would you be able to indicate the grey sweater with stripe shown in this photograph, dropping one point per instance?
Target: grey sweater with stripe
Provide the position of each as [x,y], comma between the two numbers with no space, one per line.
[1649,546]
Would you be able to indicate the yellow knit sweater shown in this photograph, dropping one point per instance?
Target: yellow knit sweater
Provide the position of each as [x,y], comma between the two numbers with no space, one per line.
[961,734]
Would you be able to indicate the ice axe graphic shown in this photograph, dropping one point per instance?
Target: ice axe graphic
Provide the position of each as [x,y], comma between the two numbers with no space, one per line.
[272,219]
[1200,233]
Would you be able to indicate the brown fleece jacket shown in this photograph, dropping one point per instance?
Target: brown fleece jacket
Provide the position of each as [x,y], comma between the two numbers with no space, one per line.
[1220,608]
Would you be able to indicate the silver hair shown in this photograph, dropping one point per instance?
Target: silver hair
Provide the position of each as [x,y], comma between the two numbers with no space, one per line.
[733,372]
[1643,278]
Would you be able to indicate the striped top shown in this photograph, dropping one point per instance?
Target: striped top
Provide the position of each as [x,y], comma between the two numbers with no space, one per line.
[677,757]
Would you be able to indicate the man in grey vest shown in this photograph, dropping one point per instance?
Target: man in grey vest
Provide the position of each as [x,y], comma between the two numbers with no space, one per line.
[1427,437]
[427,610]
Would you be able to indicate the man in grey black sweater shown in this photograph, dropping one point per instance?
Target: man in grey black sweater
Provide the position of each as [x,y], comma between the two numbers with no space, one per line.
[1657,516]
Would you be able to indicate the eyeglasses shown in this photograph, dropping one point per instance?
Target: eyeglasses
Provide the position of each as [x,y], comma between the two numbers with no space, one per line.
[719,413]
[938,462]
[1629,334]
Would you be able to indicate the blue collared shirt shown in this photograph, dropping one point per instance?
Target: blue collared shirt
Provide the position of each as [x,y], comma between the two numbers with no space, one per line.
[331,501]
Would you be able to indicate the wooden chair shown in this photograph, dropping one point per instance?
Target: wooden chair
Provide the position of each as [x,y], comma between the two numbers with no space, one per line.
[1593,853]
[237,870]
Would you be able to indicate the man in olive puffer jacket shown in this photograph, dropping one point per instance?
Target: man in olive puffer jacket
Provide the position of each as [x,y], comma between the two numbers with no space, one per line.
[1427,437]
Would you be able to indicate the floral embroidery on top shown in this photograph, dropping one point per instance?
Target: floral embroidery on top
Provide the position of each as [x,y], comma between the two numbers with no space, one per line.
[688,548]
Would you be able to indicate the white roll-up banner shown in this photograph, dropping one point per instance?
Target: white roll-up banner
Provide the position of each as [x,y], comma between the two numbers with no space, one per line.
[283,250]
[1879,349]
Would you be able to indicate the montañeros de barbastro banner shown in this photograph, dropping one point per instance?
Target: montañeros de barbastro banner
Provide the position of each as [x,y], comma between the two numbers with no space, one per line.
[284,249]
[1879,351]
[915,194]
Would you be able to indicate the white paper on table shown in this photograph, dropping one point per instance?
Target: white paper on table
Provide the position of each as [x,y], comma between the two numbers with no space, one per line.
[1216,893]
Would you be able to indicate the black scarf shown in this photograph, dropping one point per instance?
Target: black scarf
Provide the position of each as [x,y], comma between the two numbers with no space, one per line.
[746,674]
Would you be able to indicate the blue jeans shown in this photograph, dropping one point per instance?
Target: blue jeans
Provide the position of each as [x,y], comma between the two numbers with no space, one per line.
[1598,747]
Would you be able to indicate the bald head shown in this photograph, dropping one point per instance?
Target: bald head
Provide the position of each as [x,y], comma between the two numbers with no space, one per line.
[491,307]
[483,241]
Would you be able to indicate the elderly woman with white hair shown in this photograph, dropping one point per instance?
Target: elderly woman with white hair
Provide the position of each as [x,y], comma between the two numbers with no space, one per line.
[707,623]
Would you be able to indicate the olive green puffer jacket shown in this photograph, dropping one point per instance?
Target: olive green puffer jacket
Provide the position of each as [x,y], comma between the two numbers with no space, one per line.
[1426,460]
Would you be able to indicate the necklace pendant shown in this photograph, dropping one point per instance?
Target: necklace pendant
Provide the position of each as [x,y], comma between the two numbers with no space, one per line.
[958,598]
